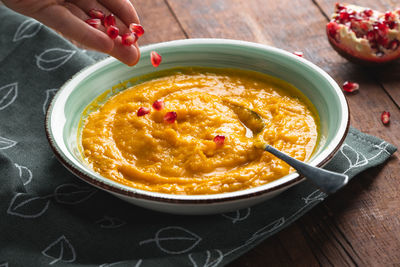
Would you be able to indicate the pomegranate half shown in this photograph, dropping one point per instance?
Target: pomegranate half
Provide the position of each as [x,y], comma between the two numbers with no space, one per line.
[363,35]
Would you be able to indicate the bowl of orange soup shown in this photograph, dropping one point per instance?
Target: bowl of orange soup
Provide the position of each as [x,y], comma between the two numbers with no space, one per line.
[168,139]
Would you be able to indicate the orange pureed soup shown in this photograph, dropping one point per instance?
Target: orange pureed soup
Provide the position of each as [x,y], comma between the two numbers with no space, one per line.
[148,153]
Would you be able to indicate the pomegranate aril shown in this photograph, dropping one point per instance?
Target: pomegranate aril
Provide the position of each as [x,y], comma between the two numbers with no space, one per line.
[219,140]
[136,28]
[94,22]
[129,39]
[298,53]
[332,28]
[170,117]
[158,105]
[350,86]
[155,58]
[109,20]
[394,44]
[339,6]
[368,12]
[143,111]
[96,14]
[113,32]
[385,117]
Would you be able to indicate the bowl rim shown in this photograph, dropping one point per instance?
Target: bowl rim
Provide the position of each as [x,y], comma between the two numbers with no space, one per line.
[120,189]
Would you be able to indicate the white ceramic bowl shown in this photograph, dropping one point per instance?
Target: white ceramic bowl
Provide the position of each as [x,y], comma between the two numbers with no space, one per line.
[68,104]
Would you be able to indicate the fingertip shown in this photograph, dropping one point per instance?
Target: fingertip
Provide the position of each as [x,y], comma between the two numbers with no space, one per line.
[129,55]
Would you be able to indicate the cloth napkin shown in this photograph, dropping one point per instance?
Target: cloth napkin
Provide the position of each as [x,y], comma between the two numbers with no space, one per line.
[50,217]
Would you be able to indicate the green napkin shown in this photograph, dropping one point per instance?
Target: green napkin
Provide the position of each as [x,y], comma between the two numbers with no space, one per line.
[50,217]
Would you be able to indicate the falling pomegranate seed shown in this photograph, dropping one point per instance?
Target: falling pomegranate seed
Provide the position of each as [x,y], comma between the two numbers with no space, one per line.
[155,58]
[136,28]
[95,23]
[219,140]
[170,117]
[129,39]
[298,53]
[109,20]
[350,86]
[96,14]
[158,105]
[385,117]
[113,32]
[143,111]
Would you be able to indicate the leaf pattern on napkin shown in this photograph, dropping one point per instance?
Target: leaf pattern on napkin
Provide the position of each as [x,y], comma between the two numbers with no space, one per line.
[211,259]
[50,93]
[60,250]
[53,58]
[267,229]
[27,29]
[110,222]
[355,159]
[6,143]
[4,264]
[8,94]
[25,206]
[122,263]
[25,174]
[174,240]
[73,194]
[237,216]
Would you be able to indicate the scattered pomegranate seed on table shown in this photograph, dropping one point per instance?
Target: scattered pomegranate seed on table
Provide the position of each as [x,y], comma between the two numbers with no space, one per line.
[350,86]
[93,22]
[109,20]
[96,14]
[385,117]
[143,111]
[136,28]
[158,105]
[298,53]
[219,140]
[170,117]
[129,39]
[155,58]
[113,32]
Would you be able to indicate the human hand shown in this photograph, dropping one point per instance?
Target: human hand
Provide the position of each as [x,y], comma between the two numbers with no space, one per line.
[68,18]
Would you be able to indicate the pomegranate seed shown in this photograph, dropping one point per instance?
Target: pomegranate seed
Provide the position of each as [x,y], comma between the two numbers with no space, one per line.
[332,28]
[155,58]
[170,117]
[298,53]
[370,35]
[219,140]
[129,39]
[136,28]
[385,117]
[95,23]
[368,12]
[391,24]
[344,16]
[350,86]
[383,41]
[143,111]
[394,44]
[382,28]
[339,6]
[158,105]
[389,16]
[113,32]
[109,20]
[96,14]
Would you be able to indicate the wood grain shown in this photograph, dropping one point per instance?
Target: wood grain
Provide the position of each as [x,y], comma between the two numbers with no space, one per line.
[356,225]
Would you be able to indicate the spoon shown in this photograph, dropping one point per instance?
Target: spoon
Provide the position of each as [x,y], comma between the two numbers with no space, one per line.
[328,181]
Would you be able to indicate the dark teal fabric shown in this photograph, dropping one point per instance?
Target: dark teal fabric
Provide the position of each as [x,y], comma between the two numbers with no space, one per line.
[49,217]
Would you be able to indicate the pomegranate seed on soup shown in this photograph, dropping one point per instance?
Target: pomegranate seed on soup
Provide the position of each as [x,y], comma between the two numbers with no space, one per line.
[129,39]
[170,117]
[95,23]
[385,117]
[96,14]
[158,105]
[109,20]
[350,86]
[155,58]
[143,111]
[219,140]
[113,32]
[136,28]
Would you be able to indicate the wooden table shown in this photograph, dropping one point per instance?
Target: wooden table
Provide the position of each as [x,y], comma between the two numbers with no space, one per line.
[360,225]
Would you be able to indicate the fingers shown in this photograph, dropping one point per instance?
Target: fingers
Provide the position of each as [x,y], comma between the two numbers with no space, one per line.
[72,26]
[127,54]
[122,9]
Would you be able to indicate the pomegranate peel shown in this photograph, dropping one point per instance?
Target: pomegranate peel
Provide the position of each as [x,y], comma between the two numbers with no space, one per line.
[363,35]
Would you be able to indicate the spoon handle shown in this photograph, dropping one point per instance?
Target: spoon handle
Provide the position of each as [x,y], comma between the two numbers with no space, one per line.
[328,181]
